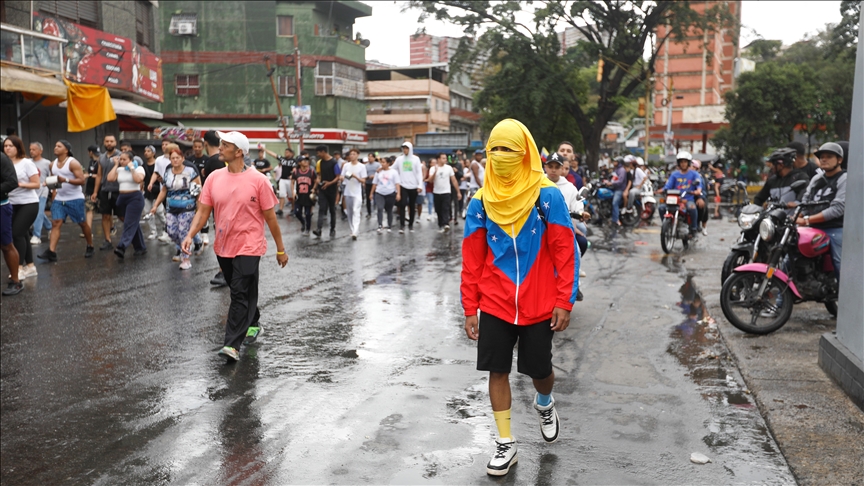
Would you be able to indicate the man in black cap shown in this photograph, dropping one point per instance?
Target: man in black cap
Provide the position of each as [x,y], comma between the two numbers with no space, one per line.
[801,163]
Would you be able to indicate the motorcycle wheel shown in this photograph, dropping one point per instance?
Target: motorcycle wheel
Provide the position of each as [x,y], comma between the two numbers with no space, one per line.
[751,313]
[735,259]
[831,307]
[630,219]
[667,237]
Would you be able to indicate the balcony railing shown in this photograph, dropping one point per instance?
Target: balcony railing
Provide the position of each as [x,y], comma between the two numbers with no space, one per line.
[33,50]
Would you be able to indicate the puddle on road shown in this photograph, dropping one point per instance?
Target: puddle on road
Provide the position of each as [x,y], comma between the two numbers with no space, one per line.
[736,431]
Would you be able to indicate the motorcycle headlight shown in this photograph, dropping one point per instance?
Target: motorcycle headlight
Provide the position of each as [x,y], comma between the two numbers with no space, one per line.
[766,229]
[745,221]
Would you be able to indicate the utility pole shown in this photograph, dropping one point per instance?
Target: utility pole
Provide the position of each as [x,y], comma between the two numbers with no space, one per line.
[649,108]
[276,96]
[298,84]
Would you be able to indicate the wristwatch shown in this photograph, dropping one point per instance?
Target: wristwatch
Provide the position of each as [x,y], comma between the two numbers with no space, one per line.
[806,220]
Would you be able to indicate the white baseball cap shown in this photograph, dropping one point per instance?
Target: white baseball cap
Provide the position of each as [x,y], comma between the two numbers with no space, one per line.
[236,138]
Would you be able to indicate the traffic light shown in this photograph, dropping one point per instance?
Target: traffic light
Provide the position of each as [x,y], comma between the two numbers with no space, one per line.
[600,70]
[642,107]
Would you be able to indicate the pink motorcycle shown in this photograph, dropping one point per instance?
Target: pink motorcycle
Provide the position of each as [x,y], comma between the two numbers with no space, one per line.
[758,297]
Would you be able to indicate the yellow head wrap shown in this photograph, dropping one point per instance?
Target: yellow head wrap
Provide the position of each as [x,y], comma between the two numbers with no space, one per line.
[513,179]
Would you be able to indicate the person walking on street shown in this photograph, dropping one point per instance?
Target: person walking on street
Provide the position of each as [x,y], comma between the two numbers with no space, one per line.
[411,174]
[372,167]
[214,162]
[130,203]
[244,201]
[25,204]
[286,183]
[107,191]
[327,189]
[91,197]
[618,184]
[519,216]
[156,221]
[386,191]
[442,179]
[68,199]
[304,179]
[354,177]
[44,166]
[8,183]
[178,189]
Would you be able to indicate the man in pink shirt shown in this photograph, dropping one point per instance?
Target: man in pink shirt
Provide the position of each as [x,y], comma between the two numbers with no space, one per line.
[244,201]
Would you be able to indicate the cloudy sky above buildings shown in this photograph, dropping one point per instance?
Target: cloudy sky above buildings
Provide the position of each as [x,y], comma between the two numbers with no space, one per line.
[389,28]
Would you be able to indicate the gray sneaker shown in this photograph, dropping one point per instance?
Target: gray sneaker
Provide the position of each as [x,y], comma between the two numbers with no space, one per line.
[230,353]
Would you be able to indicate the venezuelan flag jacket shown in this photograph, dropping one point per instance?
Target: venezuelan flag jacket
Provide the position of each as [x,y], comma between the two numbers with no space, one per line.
[520,279]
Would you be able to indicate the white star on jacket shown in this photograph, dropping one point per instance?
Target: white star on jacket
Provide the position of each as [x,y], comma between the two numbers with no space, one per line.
[479,215]
[546,205]
[494,238]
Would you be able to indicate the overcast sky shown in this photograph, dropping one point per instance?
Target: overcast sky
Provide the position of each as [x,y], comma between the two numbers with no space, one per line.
[389,29]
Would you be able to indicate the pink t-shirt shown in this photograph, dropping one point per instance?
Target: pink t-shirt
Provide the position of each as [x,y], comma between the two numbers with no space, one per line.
[239,201]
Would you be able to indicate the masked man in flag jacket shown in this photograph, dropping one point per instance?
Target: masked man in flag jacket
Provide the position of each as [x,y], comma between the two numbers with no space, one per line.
[520,270]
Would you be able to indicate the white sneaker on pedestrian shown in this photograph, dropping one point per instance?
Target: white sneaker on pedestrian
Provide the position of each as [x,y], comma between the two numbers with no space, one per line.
[380,230]
[35,240]
[389,230]
[441,230]
[152,236]
[29,270]
[446,228]
[503,458]
[185,264]
[22,274]
[428,218]
[704,231]
[549,424]
[205,238]
[165,238]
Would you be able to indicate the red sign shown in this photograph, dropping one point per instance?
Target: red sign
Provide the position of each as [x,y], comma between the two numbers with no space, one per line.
[96,57]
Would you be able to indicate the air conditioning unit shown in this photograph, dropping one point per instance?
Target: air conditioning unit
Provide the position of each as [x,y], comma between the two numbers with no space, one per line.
[185,28]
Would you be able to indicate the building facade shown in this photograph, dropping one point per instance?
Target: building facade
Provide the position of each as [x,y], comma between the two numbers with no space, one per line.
[215,57]
[110,43]
[691,81]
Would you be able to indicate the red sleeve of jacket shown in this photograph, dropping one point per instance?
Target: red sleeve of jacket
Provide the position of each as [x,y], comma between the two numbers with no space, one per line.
[474,249]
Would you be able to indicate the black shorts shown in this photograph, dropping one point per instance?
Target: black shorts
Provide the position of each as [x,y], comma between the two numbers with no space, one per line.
[497,339]
[108,202]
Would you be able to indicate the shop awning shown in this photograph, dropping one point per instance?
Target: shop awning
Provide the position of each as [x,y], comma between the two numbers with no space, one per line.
[12,80]
[123,107]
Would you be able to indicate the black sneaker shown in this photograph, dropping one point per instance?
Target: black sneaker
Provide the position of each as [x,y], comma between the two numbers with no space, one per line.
[120,252]
[50,255]
[579,296]
[13,288]
[88,253]
[279,212]
[106,246]
[332,233]
[218,280]
[317,233]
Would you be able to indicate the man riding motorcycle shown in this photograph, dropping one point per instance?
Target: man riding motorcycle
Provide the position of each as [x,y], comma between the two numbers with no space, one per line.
[690,184]
[828,188]
[783,175]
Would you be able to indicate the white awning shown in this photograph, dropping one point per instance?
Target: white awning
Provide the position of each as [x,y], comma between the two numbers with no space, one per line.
[123,107]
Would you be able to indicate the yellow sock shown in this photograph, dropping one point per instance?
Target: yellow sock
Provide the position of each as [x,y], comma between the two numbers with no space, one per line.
[502,420]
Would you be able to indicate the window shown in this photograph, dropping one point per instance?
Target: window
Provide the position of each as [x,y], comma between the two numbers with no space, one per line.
[183,24]
[186,85]
[284,25]
[333,78]
[287,85]
[84,12]
[143,23]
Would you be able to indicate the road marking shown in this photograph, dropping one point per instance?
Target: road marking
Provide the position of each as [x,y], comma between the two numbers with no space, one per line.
[650,231]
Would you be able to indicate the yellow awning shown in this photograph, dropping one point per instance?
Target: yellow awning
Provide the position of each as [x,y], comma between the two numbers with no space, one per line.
[14,79]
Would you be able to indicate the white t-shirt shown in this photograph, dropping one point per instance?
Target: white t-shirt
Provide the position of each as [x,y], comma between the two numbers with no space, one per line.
[353,186]
[44,166]
[441,181]
[25,169]
[386,181]
[162,163]
[638,176]
[466,174]
[127,182]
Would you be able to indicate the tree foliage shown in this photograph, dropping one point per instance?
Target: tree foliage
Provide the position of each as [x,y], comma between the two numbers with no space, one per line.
[530,81]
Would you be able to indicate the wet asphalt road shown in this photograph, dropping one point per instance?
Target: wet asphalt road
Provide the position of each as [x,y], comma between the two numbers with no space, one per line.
[363,374]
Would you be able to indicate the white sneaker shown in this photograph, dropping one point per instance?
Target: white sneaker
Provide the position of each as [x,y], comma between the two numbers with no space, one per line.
[22,274]
[503,458]
[704,231]
[165,238]
[428,218]
[29,271]
[152,236]
[35,240]
[380,230]
[185,264]
[442,230]
[205,238]
[549,423]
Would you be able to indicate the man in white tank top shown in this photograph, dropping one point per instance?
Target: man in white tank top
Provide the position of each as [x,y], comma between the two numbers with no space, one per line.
[478,172]
[68,199]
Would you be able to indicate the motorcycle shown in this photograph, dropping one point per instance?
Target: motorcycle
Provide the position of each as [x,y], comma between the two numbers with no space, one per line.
[675,227]
[750,248]
[758,297]
[600,201]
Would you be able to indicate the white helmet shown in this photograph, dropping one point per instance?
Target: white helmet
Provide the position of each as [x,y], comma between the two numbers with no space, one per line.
[683,155]
[640,161]
[629,159]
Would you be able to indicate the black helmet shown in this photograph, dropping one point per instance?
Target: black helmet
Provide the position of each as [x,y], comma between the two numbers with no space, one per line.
[785,156]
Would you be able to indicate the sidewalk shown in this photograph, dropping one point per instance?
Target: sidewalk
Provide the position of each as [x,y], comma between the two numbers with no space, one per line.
[819,430]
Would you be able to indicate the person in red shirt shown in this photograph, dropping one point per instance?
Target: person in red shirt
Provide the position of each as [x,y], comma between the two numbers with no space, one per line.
[244,201]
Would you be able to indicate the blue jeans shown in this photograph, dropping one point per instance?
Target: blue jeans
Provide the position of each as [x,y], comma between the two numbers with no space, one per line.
[616,202]
[41,219]
[693,211]
[836,235]
[430,202]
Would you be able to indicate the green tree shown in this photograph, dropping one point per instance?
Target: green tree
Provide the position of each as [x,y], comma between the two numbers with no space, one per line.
[616,32]
[762,50]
